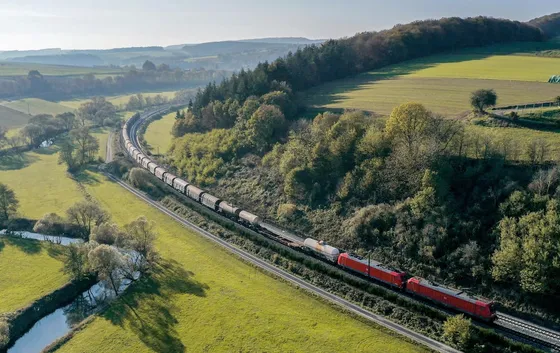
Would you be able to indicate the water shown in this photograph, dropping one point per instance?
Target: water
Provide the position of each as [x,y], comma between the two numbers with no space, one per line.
[42,237]
[55,325]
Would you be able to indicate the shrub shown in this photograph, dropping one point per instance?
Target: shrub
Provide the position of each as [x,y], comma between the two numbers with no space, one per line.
[457,331]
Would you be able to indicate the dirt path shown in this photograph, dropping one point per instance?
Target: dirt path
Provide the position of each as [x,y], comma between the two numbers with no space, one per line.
[109,154]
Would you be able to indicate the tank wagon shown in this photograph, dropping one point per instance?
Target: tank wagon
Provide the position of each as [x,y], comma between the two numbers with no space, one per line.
[452,298]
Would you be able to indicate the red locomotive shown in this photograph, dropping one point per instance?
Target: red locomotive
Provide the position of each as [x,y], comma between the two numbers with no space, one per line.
[373,269]
[452,298]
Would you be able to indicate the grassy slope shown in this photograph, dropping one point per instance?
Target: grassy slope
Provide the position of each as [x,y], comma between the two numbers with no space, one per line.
[101,134]
[12,118]
[22,69]
[37,106]
[158,134]
[28,270]
[116,100]
[443,83]
[203,298]
[40,183]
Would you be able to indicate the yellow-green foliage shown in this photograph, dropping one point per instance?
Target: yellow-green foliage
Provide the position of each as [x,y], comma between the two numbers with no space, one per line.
[29,269]
[204,299]
[158,134]
[119,101]
[443,83]
[40,183]
[36,106]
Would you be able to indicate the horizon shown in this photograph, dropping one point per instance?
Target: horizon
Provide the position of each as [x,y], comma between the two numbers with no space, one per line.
[34,25]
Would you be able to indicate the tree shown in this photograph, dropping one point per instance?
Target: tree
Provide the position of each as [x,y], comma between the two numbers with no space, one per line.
[140,237]
[264,127]
[68,119]
[4,332]
[482,99]
[51,224]
[457,331]
[8,202]
[409,123]
[86,215]
[106,233]
[86,145]
[148,66]
[76,261]
[98,110]
[107,262]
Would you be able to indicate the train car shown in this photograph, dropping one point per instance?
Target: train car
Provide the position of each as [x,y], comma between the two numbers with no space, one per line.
[144,161]
[159,172]
[135,154]
[452,298]
[194,193]
[152,167]
[180,185]
[373,269]
[229,209]
[169,178]
[249,218]
[210,201]
[322,248]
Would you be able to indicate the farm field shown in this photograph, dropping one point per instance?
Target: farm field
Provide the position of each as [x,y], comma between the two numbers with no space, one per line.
[201,297]
[29,269]
[158,134]
[119,101]
[36,106]
[11,118]
[443,83]
[19,69]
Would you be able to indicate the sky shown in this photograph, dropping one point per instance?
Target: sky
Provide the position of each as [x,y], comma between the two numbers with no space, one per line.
[100,24]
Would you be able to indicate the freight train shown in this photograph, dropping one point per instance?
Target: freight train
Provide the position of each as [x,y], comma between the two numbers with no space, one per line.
[416,286]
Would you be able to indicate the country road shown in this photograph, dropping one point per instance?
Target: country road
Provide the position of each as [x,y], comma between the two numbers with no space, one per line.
[109,152]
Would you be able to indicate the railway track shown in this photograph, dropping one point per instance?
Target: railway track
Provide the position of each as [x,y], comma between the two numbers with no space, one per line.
[520,330]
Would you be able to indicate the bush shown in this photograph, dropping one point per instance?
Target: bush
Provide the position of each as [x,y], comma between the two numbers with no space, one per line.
[4,332]
[286,211]
[457,331]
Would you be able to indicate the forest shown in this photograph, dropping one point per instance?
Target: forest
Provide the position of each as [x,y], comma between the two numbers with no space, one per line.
[417,190]
[149,77]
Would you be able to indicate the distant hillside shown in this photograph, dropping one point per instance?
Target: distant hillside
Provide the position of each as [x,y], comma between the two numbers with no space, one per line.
[65,59]
[12,118]
[229,47]
[284,40]
[550,24]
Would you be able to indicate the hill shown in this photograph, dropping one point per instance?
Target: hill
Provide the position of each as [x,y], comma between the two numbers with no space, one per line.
[34,106]
[550,24]
[12,118]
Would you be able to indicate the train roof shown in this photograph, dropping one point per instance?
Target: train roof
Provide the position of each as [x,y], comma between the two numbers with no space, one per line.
[457,293]
[374,263]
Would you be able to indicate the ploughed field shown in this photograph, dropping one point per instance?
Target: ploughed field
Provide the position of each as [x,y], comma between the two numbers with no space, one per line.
[443,83]
[200,298]
[158,134]
[29,269]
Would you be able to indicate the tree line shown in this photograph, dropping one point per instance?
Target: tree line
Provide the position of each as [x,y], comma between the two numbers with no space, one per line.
[366,51]
[148,78]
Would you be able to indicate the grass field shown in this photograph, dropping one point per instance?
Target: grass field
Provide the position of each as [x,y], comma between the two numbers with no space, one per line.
[158,134]
[201,298]
[19,69]
[119,101]
[29,269]
[101,134]
[11,118]
[36,106]
[443,83]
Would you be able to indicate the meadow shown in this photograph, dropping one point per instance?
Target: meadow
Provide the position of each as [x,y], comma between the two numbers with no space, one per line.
[120,101]
[158,134]
[443,83]
[29,269]
[22,69]
[11,118]
[201,298]
[34,106]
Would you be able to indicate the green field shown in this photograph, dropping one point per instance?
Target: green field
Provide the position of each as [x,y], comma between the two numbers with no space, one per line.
[201,298]
[19,69]
[11,118]
[36,106]
[119,101]
[443,83]
[158,134]
[29,269]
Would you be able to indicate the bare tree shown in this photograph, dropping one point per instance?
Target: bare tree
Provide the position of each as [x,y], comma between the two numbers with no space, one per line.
[86,215]
[108,262]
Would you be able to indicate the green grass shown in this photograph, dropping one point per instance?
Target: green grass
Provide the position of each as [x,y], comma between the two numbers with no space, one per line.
[102,135]
[201,298]
[29,270]
[22,69]
[119,101]
[36,106]
[443,95]
[40,183]
[11,118]
[158,134]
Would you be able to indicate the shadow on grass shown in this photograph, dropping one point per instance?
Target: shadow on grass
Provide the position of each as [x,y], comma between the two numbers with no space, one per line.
[48,150]
[148,309]
[28,246]
[2,245]
[17,161]
[87,176]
